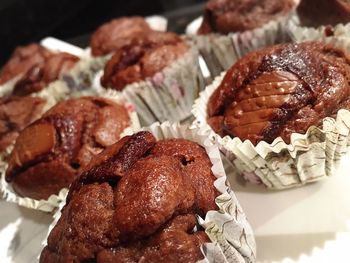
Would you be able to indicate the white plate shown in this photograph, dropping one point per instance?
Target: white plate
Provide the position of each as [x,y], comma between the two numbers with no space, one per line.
[308,224]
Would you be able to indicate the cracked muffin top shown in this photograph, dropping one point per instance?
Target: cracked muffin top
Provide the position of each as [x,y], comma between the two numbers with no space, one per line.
[137,201]
[229,16]
[40,75]
[36,67]
[143,57]
[15,114]
[22,60]
[281,90]
[117,33]
[48,154]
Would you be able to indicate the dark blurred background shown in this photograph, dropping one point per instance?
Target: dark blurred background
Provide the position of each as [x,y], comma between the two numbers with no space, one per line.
[25,21]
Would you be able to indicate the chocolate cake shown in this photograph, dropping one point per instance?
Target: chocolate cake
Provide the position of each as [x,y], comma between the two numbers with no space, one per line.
[49,153]
[281,90]
[229,16]
[15,114]
[315,13]
[143,57]
[117,33]
[136,202]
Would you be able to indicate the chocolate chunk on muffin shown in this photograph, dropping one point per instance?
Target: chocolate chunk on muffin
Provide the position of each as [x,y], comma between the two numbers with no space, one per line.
[15,114]
[36,67]
[117,33]
[314,13]
[228,16]
[143,57]
[281,90]
[145,211]
[48,154]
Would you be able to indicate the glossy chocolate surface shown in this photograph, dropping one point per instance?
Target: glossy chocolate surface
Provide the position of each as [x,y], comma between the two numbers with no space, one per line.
[280,90]
[49,153]
[141,208]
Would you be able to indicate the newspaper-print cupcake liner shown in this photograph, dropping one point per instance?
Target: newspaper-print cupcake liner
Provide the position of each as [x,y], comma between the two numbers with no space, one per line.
[221,51]
[7,192]
[231,235]
[169,94]
[308,158]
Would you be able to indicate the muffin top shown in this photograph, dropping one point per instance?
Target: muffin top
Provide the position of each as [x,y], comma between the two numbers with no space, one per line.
[49,152]
[136,200]
[117,33]
[281,90]
[40,75]
[229,16]
[22,60]
[15,114]
[37,67]
[143,57]
[314,13]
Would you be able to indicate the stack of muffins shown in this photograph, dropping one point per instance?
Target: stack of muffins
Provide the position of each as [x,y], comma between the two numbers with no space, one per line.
[277,108]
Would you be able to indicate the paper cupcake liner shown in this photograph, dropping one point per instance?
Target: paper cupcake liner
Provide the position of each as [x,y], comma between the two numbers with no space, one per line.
[309,157]
[340,37]
[7,192]
[299,33]
[221,51]
[169,94]
[231,235]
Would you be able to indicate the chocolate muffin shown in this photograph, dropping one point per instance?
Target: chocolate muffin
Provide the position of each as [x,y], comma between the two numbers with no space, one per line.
[143,57]
[40,75]
[15,114]
[117,33]
[37,67]
[48,153]
[136,202]
[228,16]
[314,13]
[22,60]
[281,90]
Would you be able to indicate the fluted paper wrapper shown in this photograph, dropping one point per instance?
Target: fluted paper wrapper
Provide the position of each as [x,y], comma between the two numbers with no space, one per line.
[339,38]
[221,51]
[6,191]
[299,33]
[308,158]
[231,235]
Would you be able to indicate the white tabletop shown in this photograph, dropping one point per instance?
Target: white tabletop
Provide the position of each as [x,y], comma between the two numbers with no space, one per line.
[307,224]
